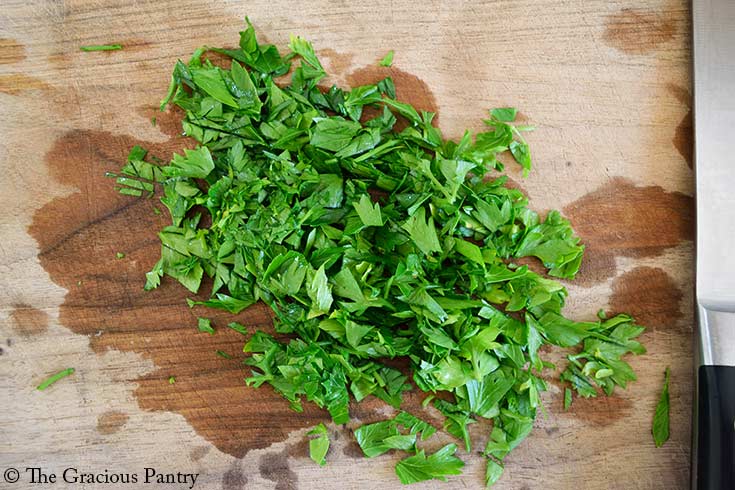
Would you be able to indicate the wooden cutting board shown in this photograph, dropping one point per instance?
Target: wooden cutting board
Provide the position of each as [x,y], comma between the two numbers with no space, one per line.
[607,85]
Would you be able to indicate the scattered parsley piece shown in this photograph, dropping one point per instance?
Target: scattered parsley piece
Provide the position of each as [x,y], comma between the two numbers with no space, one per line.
[239,328]
[319,445]
[567,398]
[223,354]
[101,47]
[660,429]
[54,378]
[171,380]
[205,325]
[119,255]
[387,60]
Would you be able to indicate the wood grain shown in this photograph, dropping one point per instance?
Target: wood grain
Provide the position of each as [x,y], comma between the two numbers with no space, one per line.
[607,86]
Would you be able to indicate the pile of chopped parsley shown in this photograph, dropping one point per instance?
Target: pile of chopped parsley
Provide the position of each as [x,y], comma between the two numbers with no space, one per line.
[371,243]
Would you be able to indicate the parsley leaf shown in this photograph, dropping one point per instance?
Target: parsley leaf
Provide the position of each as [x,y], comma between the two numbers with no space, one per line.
[387,59]
[438,465]
[319,445]
[660,427]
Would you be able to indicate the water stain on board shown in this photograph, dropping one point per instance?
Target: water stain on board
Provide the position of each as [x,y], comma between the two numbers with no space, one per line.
[11,51]
[234,478]
[28,321]
[111,422]
[600,411]
[683,139]
[17,83]
[275,467]
[78,236]
[650,295]
[636,31]
[622,219]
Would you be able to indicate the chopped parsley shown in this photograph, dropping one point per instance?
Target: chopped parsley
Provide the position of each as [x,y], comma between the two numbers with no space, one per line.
[371,241]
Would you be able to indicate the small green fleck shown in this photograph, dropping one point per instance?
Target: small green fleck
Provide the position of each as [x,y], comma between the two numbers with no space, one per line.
[156,211]
[387,60]
[79,283]
[54,378]
[153,121]
[101,47]
[171,380]
[223,354]
[119,255]
[205,325]
[567,398]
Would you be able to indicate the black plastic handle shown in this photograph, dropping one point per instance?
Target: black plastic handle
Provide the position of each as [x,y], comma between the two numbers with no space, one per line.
[716,428]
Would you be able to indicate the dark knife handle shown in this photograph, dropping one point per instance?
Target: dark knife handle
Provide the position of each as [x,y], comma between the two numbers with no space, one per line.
[715,436]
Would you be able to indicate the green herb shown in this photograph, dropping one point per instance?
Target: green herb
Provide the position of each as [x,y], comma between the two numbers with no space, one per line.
[420,467]
[238,328]
[387,59]
[205,325]
[398,433]
[223,354]
[319,445]
[153,121]
[493,472]
[119,255]
[567,398]
[371,243]
[54,378]
[660,428]
[101,47]
[171,380]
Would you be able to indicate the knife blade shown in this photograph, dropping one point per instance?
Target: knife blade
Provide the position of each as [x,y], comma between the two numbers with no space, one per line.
[713,444]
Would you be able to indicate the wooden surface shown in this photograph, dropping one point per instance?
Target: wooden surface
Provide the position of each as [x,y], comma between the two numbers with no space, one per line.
[606,83]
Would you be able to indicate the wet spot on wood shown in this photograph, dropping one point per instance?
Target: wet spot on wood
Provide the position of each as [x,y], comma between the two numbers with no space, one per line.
[650,295]
[299,449]
[622,219]
[111,422]
[409,88]
[683,139]
[11,51]
[337,63]
[17,83]
[78,236]
[600,411]
[234,478]
[636,31]
[352,449]
[199,452]
[168,122]
[28,321]
[275,467]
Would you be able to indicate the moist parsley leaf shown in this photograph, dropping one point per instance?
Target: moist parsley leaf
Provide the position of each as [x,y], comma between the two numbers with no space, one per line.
[205,325]
[387,60]
[373,240]
[660,428]
[319,445]
[438,465]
